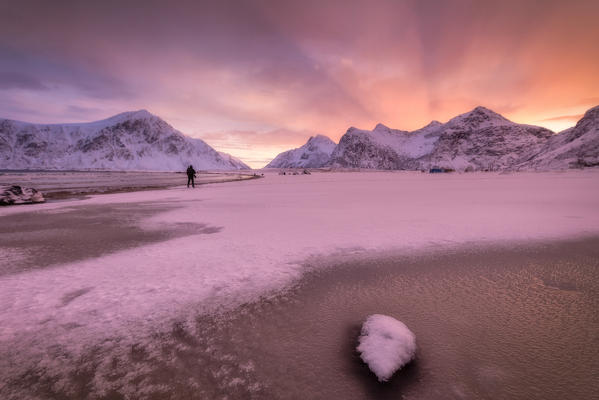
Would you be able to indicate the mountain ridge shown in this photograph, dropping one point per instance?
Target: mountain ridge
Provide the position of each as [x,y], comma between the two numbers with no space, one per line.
[477,140]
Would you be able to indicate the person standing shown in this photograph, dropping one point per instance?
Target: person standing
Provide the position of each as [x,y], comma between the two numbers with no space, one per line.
[191,174]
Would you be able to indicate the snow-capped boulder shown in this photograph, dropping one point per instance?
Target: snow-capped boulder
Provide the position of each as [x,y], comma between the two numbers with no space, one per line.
[314,154]
[135,140]
[10,195]
[386,345]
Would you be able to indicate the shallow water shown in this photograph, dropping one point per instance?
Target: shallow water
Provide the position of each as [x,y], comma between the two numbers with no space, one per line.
[517,322]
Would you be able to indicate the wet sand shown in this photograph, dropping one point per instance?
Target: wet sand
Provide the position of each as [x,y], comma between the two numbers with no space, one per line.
[504,322]
[496,322]
[42,239]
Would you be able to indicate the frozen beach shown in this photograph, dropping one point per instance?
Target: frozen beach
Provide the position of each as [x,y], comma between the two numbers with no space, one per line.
[256,289]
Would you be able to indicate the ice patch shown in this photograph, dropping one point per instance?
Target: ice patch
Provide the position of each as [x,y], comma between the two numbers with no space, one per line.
[386,345]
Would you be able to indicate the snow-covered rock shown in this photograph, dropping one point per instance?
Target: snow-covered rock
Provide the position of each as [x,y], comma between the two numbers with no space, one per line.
[314,154]
[10,195]
[135,140]
[477,140]
[386,345]
[577,147]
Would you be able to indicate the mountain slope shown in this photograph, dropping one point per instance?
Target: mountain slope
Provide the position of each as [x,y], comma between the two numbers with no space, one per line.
[576,147]
[314,154]
[384,148]
[129,141]
[234,162]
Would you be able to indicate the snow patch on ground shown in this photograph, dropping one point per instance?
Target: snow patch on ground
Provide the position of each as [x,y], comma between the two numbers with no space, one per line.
[386,345]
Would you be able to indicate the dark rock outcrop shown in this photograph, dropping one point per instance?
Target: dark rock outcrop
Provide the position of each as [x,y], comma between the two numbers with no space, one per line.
[11,195]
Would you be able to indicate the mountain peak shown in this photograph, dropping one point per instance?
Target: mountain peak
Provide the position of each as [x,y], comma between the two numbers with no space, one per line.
[314,154]
[591,114]
[319,138]
[432,124]
[138,114]
[119,118]
[143,112]
[381,127]
[480,110]
[588,123]
[479,117]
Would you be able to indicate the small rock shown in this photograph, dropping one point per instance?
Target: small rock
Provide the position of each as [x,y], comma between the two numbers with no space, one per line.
[10,195]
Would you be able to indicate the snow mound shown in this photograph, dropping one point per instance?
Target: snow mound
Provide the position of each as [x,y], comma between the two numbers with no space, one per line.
[10,195]
[386,345]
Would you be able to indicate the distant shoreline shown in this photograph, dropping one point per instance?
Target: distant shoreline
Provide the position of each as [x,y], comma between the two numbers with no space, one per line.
[68,184]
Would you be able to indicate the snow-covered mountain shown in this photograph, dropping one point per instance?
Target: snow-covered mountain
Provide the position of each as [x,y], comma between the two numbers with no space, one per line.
[577,147]
[233,161]
[384,148]
[477,140]
[135,140]
[484,140]
[314,154]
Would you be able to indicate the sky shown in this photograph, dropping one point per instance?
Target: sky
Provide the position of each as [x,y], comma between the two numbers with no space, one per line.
[257,77]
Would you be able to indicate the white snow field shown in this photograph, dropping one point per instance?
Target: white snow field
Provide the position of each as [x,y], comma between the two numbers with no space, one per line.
[266,229]
[386,345]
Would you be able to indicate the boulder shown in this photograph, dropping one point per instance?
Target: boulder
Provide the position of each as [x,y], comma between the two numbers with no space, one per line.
[10,195]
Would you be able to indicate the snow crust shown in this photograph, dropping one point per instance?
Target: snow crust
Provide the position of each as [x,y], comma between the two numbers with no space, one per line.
[264,231]
[386,345]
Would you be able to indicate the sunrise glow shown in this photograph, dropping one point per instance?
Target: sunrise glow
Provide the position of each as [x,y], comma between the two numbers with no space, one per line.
[254,78]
